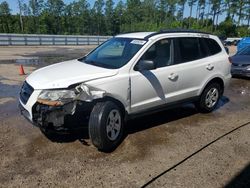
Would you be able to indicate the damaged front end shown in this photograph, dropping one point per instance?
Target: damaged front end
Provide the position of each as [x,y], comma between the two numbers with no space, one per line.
[65,109]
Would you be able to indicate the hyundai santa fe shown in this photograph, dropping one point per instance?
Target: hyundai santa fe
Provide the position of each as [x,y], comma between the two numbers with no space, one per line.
[128,75]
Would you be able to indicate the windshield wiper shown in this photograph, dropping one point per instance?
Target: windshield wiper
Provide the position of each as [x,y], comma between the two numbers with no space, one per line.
[91,62]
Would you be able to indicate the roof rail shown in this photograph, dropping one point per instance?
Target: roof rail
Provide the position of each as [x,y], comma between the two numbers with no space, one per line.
[128,32]
[175,31]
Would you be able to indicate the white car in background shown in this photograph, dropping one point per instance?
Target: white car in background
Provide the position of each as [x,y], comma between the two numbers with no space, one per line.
[129,75]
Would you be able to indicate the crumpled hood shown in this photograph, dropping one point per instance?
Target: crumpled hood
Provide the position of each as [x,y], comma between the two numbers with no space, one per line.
[62,75]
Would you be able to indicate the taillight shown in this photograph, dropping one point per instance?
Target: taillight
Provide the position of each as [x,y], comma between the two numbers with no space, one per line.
[230,60]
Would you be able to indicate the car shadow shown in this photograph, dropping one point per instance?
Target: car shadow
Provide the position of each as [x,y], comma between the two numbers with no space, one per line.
[159,118]
[223,100]
[166,116]
[241,180]
[155,83]
[70,136]
[134,125]
[241,77]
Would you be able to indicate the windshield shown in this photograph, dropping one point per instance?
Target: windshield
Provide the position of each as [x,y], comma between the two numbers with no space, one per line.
[114,53]
[244,51]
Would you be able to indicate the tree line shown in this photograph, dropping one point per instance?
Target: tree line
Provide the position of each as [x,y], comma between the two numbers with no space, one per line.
[108,18]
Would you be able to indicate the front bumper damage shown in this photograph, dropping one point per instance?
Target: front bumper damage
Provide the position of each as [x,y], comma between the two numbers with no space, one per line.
[60,115]
[44,114]
[61,118]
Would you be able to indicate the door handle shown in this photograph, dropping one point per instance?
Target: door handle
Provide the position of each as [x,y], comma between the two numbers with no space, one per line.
[172,76]
[210,67]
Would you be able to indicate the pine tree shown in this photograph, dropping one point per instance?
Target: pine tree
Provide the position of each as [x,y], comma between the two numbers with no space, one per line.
[5,17]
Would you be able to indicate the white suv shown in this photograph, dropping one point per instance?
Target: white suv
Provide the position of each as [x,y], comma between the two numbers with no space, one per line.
[124,77]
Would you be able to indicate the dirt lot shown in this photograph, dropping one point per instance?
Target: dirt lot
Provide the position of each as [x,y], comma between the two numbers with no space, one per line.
[173,148]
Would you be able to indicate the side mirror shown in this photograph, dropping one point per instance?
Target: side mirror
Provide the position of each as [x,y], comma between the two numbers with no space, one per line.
[145,65]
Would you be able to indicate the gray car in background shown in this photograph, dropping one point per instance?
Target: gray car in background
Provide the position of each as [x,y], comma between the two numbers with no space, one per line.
[241,63]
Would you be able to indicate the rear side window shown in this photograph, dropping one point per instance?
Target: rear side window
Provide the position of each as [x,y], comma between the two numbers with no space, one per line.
[189,49]
[213,46]
[193,48]
[204,52]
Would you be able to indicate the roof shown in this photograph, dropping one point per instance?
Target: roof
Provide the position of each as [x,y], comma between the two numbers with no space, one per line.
[147,35]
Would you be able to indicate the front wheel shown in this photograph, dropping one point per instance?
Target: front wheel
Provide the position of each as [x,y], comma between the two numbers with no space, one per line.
[106,126]
[209,98]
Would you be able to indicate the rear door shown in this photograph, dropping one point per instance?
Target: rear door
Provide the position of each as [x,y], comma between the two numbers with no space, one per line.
[195,64]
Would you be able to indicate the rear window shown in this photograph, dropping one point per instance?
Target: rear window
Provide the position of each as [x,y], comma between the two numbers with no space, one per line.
[213,46]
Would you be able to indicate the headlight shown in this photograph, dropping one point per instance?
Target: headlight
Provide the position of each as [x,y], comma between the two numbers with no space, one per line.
[248,68]
[57,97]
[81,92]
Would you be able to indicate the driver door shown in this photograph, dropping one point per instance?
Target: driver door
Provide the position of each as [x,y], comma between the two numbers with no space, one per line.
[151,88]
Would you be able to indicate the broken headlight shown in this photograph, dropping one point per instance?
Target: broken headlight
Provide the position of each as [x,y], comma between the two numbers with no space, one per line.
[81,92]
[56,97]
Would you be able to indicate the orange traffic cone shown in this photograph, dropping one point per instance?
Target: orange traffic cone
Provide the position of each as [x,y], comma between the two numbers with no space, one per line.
[21,70]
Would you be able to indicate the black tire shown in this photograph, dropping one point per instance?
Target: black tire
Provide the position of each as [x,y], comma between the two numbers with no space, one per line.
[202,105]
[100,122]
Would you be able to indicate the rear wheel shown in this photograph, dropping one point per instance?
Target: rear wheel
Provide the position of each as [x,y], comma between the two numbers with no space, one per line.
[209,98]
[106,126]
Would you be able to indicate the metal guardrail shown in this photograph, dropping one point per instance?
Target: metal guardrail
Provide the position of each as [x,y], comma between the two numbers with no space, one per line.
[49,40]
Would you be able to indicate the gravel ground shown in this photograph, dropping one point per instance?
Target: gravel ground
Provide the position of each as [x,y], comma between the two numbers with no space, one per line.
[174,148]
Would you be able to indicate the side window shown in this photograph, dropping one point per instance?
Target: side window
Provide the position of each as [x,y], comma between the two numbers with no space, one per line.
[213,46]
[189,49]
[160,53]
[204,52]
